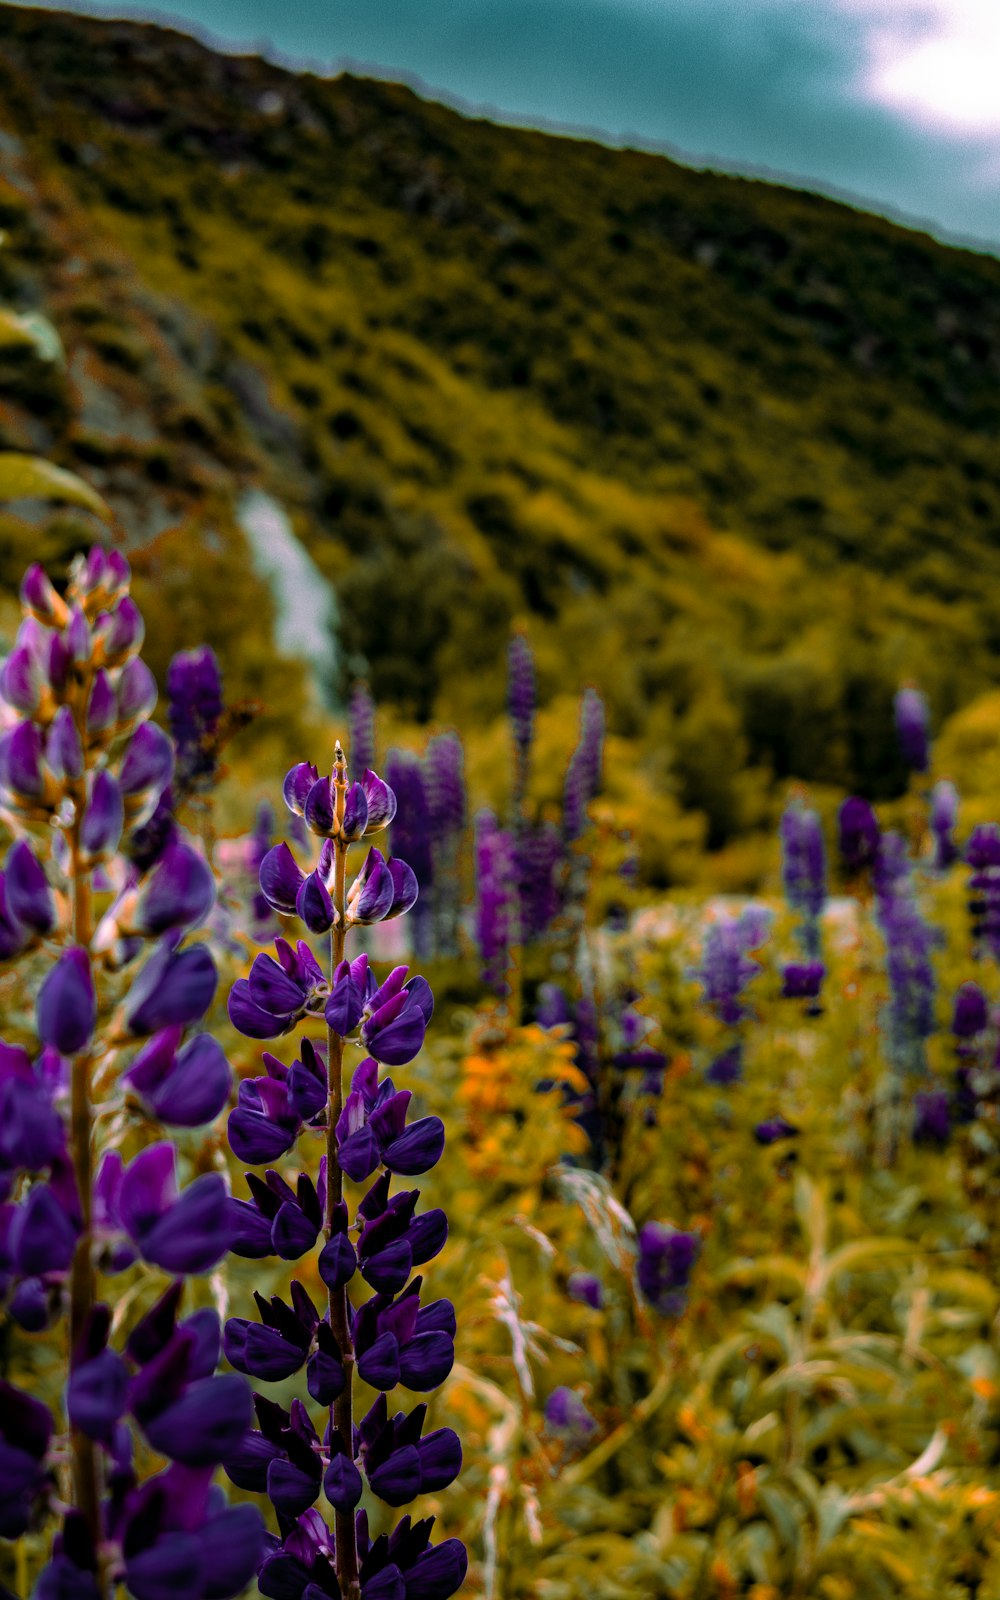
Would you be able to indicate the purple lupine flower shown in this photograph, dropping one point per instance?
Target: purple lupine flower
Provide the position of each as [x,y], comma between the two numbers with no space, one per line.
[445,785]
[184,1088]
[912,715]
[496,907]
[400,1341]
[932,1118]
[583,775]
[666,1260]
[26,1429]
[586,1289]
[258,846]
[982,853]
[568,1417]
[858,835]
[802,980]
[195,709]
[943,819]
[539,858]
[183,1231]
[412,835]
[521,692]
[727,965]
[775,1129]
[727,1067]
[361,728]
[803,869]
[393,1239]
[971,1014]
[910,942]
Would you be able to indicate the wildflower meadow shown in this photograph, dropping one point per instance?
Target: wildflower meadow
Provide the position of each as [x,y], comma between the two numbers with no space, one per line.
[695,1294]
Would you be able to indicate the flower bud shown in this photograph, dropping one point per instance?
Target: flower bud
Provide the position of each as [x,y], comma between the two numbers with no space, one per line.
[179,892]
[103,817]
[137,692]
[318,811]
[146,770]
[21,680]
[120,632]
[102,707]
[23,777]
[28,894]
[67,1004]
[78,640]
[314,906]
[372,892]
[40,598]
[63,750]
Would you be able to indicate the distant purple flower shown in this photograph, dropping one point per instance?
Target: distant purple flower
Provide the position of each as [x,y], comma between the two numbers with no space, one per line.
[567,1416]
[913,728]
[726,964]
[803,861]
[775,1129]
[583,775]
[361,728]
[727,1067]
[971,1013]
[183,1231]
[496,903]
[67,1004]
[983,855]
[931,1117]
[194,693]
[521,692]
[586,1289]
[857,835]
[25,1433]
[802,980]
[943,817]
[666,1260]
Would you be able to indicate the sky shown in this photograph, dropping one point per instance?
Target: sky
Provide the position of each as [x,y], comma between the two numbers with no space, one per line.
[893,102]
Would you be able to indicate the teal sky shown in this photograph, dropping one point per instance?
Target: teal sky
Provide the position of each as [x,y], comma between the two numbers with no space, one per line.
[891,101]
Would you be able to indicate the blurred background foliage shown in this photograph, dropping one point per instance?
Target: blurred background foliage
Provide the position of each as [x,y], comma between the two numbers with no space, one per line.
[725,449]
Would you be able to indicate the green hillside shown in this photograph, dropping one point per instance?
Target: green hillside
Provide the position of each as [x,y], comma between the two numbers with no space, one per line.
[727,450]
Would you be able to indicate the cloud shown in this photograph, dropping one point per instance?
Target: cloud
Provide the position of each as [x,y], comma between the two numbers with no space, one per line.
[818,90]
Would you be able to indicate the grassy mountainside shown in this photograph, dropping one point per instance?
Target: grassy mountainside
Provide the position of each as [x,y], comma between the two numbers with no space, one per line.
[726,449]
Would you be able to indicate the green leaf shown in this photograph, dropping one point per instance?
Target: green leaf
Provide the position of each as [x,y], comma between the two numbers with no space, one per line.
[24,477]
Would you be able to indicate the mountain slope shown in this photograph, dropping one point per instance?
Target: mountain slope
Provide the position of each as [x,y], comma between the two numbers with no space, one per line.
[728,449]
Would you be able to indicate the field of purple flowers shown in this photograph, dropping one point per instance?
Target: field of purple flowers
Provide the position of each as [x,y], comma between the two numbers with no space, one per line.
[398,1202]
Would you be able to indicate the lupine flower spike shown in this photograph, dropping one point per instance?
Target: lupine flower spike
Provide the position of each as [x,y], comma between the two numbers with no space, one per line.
[383,1330]
[84,783]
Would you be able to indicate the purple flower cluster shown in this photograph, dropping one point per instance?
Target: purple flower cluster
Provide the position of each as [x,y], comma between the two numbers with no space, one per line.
[194,711]
[83,773]
[913,721]
[583,775]
[909,943]
[391,1338]
[497,921]
[666,1260]
[982,853]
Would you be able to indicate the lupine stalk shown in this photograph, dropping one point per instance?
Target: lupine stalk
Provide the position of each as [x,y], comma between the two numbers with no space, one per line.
[390,1338]
[82,763]
[342,1413]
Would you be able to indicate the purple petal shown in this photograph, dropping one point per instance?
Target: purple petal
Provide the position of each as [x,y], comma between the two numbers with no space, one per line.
[280,879]
[67,1004]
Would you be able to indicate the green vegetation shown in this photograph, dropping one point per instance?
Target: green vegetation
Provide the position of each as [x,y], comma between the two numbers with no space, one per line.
[726,449]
